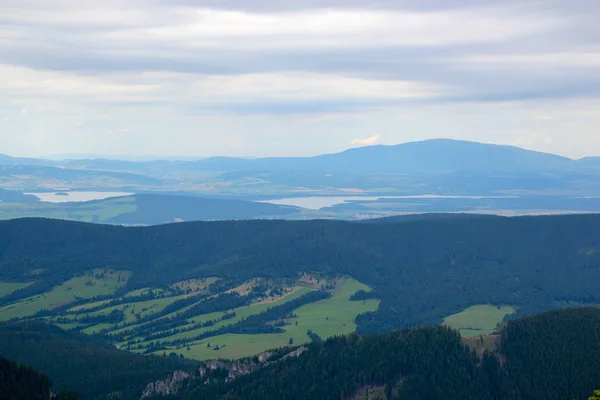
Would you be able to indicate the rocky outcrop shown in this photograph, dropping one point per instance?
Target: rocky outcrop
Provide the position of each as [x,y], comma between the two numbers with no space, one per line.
[237,368]
[234,370]
[295,353]
[167,387]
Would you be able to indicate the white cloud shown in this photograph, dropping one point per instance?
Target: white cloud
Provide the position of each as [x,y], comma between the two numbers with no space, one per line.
[22,82]
[300,85]
[110,27]
[326,28]
[181,78]
[366,141]
[61,89]
[542,60]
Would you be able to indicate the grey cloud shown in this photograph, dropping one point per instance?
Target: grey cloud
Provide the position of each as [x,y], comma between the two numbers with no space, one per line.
[420,5]
[160,45]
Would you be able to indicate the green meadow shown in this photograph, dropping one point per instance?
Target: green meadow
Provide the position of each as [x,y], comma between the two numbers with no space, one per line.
[327,318]
[97,211]
[7,288]
[478,320]
[333,316]
[95,283]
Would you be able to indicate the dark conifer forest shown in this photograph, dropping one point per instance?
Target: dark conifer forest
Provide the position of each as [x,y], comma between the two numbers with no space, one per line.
[554,355]
[85,364]
[19,382]
[421,269]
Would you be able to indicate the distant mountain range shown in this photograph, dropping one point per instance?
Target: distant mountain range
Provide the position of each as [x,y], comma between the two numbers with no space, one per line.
[438,167]
[429,156]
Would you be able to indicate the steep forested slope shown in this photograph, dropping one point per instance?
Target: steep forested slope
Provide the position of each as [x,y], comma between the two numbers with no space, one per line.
[422,270]
[549,356]
[427,363]
[19,382]
[558,350]
[555,355]
[85,364]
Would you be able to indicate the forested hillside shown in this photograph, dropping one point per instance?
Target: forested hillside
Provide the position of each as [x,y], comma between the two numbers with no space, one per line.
[90,366]
[556,353]
[19,382]
[553,356]
[9,196]
[139,209]
[422,270]
[550,356]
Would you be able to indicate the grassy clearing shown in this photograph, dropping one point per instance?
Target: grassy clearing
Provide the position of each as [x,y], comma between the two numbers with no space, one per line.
[240,313]
[13,210]
[89,306]
[100,211]
[94,329]
[128,328]
[233,346]
[95,283]
[478,320]
[139,309]
[334,316]
[104,210]
[7,288]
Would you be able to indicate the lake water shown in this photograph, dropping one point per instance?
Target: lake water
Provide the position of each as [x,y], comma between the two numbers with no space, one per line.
[319,202]
[65,197]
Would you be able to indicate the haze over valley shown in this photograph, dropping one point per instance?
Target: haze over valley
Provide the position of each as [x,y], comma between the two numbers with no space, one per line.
[368,182]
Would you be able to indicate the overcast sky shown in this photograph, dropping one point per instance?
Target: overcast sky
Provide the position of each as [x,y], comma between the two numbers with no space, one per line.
[295,77]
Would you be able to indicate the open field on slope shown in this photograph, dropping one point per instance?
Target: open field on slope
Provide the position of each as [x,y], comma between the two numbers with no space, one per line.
[7,288]
[133,309]
[326,318]
[240,313]
[157,320]
[95,283]
[478,320]
[94,211]
[336,315]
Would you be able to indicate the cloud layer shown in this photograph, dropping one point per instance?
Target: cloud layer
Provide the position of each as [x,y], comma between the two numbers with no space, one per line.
[157,77]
